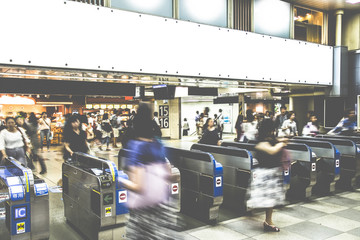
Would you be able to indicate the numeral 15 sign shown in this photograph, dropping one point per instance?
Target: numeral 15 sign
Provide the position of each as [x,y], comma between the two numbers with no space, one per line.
[164,116]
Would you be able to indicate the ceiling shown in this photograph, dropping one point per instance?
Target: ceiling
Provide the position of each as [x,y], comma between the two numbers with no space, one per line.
[326,5]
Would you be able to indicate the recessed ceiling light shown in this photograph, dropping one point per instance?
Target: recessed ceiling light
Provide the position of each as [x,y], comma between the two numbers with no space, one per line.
[353,1]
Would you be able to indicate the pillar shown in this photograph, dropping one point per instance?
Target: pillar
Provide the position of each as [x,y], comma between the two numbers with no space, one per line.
[169,117]
[338,14]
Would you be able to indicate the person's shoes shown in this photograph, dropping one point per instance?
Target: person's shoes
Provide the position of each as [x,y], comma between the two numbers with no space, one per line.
[108,149]
[43,172]
[48,150]
[100,148]
[270,228]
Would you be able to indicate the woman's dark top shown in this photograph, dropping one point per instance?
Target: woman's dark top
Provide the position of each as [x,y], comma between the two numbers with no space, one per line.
[77,142]
[32,129]
[210,137]
[269,161]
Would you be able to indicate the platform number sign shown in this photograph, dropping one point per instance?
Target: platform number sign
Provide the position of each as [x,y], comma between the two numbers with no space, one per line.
[164,116]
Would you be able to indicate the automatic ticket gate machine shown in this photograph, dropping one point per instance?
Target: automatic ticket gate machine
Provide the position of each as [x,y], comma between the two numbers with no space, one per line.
[174,185]
[251,148]
[303,170]
[201,183]
[327,164]
[237,165]
[26,202]
[94,200]
[349,161]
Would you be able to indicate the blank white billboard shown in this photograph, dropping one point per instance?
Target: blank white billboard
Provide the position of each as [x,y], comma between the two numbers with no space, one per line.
[66,34]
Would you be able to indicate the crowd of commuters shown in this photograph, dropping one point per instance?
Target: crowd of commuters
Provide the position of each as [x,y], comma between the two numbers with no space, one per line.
[148,169]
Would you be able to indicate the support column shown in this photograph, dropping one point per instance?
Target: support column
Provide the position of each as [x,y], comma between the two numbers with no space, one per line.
[338,14]
[169,117]
[176,9]
[175,118]
[241,105]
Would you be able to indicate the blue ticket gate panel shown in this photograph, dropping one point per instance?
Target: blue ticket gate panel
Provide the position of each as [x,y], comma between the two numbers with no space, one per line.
[26,202]
[94,200]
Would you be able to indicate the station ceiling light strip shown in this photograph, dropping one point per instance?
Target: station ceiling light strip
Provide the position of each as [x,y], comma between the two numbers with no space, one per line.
[215,83]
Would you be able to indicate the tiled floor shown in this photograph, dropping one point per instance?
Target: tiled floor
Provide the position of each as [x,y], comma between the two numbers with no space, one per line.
[331,217]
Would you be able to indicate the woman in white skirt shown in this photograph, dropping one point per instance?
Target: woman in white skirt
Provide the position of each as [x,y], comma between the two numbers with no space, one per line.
[266,187]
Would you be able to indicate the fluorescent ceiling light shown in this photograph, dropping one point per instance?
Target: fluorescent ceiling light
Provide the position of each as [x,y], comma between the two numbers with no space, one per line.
[353,1]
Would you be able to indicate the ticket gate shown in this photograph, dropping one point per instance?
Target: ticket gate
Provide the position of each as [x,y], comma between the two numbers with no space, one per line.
[355,139]
[303,168]
[174,184]
[94,200]
[26,199]
[349,161]
[251,148]
[237,165]
[201,183]
[327,164]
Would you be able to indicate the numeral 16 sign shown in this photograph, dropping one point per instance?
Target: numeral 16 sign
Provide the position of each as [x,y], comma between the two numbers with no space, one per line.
[164,116]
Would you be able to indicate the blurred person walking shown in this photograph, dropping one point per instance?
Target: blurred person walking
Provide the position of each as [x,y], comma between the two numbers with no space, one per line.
[14,142]
[210,133]
[279,120]
[311,129]
[266,188]
[197,123]
[45,129]
[289,127]
[220,122]
[148,181]
[74,138]
[186,128]
[249,127]
[106,130]
[238,124]
[32,132]
[347,125]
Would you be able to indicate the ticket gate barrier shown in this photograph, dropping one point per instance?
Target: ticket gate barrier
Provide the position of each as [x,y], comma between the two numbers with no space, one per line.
[174,183]
[349,161]
[303,169]
[355,139]
[237,165]
[27,202]
[201,183]
[251,148]
[327,164]
[94,199]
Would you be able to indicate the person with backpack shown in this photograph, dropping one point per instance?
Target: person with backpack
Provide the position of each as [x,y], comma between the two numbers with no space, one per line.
[106,130]
[115,123]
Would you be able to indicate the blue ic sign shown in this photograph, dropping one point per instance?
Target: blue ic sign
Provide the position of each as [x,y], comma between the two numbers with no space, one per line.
[20,213]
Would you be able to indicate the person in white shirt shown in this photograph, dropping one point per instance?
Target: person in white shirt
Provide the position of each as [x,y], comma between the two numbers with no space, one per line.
[289,127]
[250,126]
[220,122]
[44,127]
[311,128]
[13,142]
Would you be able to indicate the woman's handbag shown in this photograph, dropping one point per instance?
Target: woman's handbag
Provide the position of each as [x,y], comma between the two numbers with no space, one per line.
[51,135]
[155,188]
